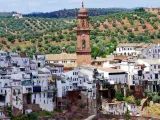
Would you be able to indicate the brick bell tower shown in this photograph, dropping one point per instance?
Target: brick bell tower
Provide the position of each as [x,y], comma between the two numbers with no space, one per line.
[83,38]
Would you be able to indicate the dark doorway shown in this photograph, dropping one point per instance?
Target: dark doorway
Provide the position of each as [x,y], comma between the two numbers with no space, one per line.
[34,101]
[39,64]
[28,98]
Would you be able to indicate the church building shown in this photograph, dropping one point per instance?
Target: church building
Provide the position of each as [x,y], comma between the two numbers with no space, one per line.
[83,49]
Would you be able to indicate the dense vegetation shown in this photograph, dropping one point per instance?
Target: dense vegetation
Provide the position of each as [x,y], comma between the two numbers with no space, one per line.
[6,14]
[74,12]
[30,35]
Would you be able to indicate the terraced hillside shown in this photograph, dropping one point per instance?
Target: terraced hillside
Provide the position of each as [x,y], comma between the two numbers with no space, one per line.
[30,35]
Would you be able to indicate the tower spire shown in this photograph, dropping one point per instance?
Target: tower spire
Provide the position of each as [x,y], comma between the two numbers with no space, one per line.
[82,4]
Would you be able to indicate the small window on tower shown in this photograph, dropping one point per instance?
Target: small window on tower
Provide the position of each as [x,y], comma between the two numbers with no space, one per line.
[83,44]
[83,23]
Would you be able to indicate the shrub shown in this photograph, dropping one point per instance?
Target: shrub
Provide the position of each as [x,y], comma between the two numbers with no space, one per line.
[144,26]
[39,45]
[130,99]
[58,110]
[155,27]
[114,25]
[156,99]
[125,28]
[151,95]
[33,40]
[136,29]
[138,101]
[105,26]
[33,116]
[119,96]
[82,105]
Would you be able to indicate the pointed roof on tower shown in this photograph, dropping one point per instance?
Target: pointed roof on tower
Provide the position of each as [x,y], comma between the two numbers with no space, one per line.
[83,10]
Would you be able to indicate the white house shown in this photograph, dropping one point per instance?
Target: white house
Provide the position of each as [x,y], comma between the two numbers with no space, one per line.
[119,108]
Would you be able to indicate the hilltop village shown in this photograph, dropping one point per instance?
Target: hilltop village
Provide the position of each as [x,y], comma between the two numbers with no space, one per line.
[77,86]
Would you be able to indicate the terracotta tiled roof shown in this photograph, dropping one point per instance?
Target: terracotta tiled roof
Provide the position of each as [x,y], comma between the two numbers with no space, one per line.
[100,60]
[70,65]
[111,70]
[128,45]
[121,57]
[16,80]
[63,56]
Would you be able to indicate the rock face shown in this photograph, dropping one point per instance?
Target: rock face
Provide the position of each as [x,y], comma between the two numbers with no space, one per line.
[144,103]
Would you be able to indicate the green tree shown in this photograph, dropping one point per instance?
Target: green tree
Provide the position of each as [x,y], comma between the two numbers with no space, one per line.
[39,44]
[53,38]
[9,110]
[10,37]
[127,115]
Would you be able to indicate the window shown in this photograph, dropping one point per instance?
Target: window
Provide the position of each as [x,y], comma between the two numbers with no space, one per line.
[133,82]
[154,66]
[156,76]
[83,44]
[83,23]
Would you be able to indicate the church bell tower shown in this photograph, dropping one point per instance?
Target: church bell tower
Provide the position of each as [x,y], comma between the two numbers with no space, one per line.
[83,38]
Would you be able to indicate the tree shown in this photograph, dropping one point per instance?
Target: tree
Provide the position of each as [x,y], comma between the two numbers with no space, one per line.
[10,37]
[127,115]
[61,36]
[33,40]
[9,110]
[71,49]
[39,44]
[144,26]
[119,96]
[105,26]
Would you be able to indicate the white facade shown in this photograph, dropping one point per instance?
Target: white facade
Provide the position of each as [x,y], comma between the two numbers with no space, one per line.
[21,83]
[150,52]
[119,108]
[126,50]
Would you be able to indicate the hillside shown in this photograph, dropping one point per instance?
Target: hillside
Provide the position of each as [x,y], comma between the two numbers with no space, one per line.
[30,35]
[68,13]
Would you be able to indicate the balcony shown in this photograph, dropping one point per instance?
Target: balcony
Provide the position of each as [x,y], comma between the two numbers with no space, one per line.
[27,83]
